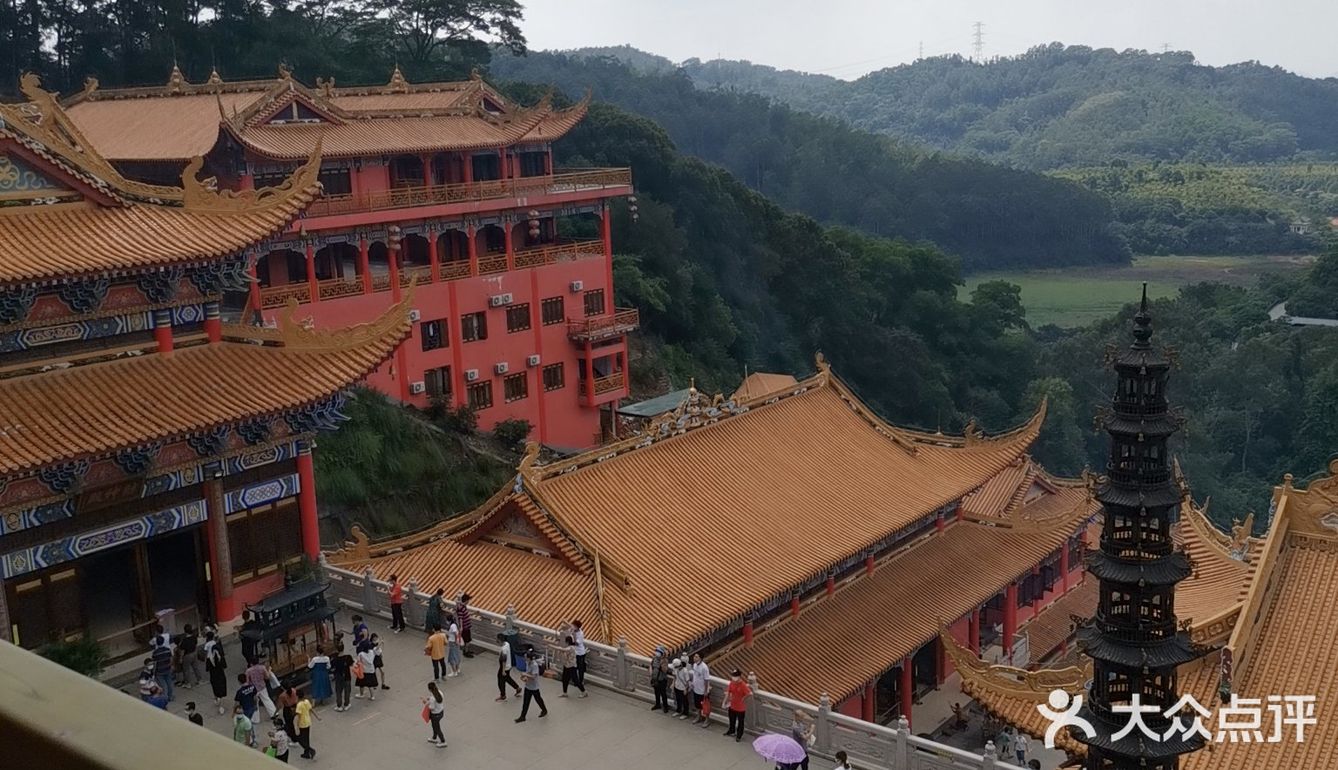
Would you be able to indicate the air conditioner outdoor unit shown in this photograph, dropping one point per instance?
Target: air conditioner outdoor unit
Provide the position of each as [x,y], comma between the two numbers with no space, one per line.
[497,300]
[501,367]
[414,315]
[417,387]
[532,360]
[471,375]
[577,286]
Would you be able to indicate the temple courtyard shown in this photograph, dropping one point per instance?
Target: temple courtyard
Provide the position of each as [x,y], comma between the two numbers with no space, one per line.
[605,730]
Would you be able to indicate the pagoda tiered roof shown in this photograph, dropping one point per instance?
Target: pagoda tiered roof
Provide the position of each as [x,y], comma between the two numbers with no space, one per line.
[713,511]
[94,410]
[88,219]
[181,120]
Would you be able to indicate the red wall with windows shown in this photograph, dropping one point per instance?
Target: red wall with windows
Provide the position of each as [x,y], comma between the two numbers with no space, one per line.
[564,422]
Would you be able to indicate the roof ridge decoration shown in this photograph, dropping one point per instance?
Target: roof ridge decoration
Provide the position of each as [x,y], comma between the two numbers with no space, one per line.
[203,195]
[1237,545]
[397,84]
[1011,681]
[301,334]
[1312,510]
[176,82]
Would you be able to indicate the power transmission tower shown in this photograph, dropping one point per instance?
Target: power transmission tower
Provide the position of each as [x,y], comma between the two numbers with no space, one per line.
[979,37]
[1165,47]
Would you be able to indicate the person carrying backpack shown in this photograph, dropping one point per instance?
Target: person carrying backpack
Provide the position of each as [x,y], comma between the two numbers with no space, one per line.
[216,665]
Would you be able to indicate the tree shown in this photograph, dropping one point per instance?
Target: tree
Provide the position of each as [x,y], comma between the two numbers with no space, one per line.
[429,32]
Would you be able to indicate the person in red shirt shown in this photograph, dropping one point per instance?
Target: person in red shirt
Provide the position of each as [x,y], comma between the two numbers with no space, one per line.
[396,604]
[736,703]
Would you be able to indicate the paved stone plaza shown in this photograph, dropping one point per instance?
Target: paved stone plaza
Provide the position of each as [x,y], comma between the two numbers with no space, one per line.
[606,730]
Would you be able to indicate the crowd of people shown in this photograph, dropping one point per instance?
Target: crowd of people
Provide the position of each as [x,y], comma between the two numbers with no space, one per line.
[356,660]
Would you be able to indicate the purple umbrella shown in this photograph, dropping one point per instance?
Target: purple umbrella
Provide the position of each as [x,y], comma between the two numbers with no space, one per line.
[779,748]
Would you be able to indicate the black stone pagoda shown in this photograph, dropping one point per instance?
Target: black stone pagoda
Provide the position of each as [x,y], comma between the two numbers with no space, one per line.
[1135,642]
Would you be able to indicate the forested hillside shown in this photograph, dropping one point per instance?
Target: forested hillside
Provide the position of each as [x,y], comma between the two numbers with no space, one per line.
[988,215]
[1059,105]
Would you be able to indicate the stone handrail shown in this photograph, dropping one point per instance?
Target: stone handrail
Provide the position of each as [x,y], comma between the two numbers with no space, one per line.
[618,668]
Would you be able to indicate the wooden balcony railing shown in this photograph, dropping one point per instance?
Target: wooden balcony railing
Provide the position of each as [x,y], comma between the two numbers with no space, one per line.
[340,287]
[623,321]
[277,296]
[609,383]
[492,263]
[408,272]
[562,252]
[409,197]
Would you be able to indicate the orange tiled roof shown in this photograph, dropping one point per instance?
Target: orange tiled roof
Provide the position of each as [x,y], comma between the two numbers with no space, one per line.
[760,384]
[1283,644]
[797,483]
[180,120]
[123,224]
[1054,624]
[837,645]
[93,410]
[1220,579]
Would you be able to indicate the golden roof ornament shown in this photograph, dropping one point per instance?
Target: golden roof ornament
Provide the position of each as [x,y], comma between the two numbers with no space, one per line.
[326,87]
[90,85]
[284,72]
[204,195]
[474,74]
[397,84]
[176,82]
[215,79]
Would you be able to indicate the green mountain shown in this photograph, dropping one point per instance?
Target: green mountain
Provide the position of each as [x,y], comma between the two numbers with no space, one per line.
[1058,106]
[986,214]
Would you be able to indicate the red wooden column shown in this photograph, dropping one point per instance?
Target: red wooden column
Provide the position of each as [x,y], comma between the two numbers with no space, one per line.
[433,258]
[162,330]
[907,688]
[311,273]
[606,232]
[1064,566]
[940,661]
[1009,617]
[973,631]
[503,168]
[426,160]
[510,247]
[589,374]
[471,238]
[548,161]
[364,266]
[396,293]
[216,540]
[393,257]
[253,291]
[958,512]
[939,523]
[868,564]
[467,160]
[306,501]
[794,606]
[831,584]
[867,702]
[748,632]
[213,323]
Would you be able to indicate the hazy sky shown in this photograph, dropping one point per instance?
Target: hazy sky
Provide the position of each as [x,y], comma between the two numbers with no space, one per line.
[847,38]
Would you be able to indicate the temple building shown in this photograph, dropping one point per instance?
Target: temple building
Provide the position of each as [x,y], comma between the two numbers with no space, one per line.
[451,184]
[785,530]
[153,459]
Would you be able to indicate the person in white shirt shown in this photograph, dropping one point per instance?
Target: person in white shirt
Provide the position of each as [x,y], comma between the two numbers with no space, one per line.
[701,688]
[682,685]
[842,761]
[1020,746]
[504,661]
[578,636]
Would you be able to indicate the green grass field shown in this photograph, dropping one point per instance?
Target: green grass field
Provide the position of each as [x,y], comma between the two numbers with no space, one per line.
[1076,296]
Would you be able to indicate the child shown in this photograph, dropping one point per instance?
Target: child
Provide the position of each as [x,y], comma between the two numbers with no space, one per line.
[193,715]
[379,661]
[241,726]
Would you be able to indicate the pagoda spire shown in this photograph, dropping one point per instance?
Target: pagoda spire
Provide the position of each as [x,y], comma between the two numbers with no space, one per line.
[1135,641]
